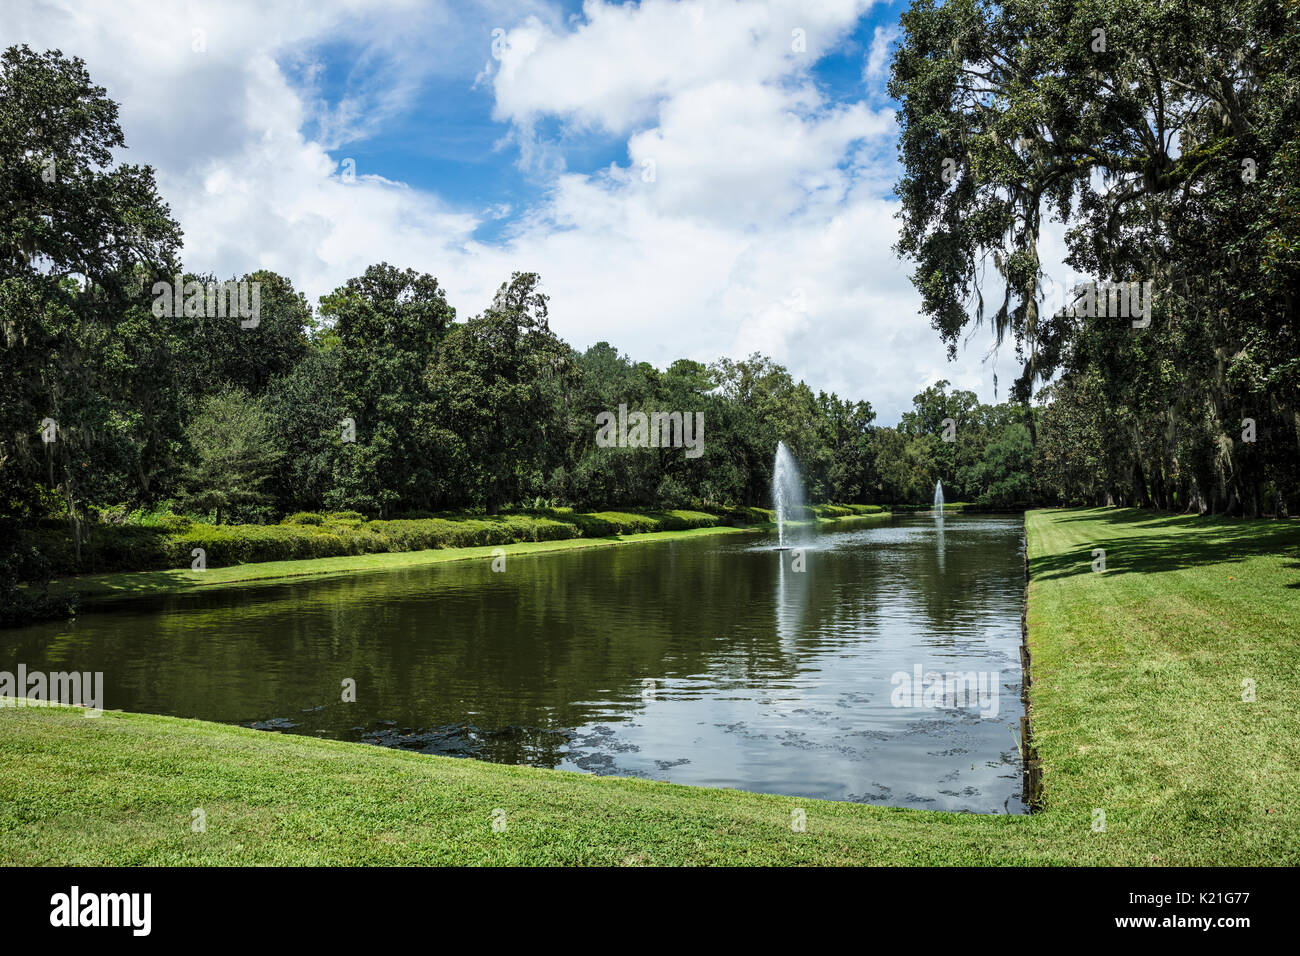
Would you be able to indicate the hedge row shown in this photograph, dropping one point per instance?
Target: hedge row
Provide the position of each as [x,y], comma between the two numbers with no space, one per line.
[114,548]
[845,511]
[172,541]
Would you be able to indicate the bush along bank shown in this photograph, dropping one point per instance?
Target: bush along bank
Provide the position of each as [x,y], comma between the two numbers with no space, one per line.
[173,541]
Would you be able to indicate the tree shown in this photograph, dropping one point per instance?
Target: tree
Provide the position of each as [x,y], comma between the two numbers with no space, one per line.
[495,383]
[232,441]
[311,428]
[846,460]
[952,426]
[768,407]
[1165,138]
[222,348]
[79,239]
[387,324]
[1005,473]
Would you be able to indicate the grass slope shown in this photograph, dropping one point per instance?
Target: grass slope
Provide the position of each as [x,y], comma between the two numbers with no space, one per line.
[1137,711]
[1138,675]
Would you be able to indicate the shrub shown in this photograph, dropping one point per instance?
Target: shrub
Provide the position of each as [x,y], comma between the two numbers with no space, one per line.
[680,519]
[170,540]
[173,523]
[844,511]
[304,517]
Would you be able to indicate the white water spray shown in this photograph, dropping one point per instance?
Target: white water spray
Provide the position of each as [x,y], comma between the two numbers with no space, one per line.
[938,500]
[787,490]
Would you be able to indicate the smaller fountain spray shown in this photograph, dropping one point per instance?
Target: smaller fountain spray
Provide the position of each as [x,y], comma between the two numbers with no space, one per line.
[938,500]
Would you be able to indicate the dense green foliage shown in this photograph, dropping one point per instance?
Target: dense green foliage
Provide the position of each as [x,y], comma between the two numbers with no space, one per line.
[1166,137]
[232,453]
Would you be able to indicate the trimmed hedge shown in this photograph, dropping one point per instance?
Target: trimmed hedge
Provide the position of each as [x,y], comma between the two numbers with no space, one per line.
[170,542]
[845,511]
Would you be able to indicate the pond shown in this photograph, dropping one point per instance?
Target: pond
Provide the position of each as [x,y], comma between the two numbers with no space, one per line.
[711,660]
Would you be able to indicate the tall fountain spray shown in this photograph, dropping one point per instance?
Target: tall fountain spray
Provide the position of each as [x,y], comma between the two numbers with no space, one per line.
[938,500]
[787,490]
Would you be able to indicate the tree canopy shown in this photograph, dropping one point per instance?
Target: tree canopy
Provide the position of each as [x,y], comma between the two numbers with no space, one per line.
[1164,137]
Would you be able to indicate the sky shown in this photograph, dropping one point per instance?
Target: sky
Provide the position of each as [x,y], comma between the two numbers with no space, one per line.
[690,179]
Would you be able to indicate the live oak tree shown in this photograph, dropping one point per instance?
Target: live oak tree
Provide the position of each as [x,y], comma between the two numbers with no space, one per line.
[79,235]
[1164,137]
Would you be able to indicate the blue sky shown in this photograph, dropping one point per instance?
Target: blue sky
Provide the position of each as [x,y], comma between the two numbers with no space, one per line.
[449,142]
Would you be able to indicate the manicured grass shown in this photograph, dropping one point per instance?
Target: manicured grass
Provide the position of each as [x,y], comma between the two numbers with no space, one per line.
[1138,676]
[1136,704]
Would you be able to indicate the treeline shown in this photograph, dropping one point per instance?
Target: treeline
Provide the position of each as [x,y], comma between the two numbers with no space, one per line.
[382,403]
[1167,140]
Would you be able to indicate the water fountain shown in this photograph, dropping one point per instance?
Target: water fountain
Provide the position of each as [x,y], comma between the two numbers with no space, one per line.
[787,491]
[938,521]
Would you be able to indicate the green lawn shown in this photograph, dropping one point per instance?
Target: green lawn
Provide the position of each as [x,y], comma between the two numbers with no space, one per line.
[1137,711]
[1138,678]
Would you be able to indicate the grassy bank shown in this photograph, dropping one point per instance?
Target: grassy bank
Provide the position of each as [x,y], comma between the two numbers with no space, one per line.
[557,530]
[1139,670]
[1137,711]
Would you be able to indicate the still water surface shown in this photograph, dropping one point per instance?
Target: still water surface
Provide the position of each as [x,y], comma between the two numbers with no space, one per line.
[706,661]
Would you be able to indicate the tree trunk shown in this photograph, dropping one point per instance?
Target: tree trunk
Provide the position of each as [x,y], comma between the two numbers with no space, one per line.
[1139,484]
